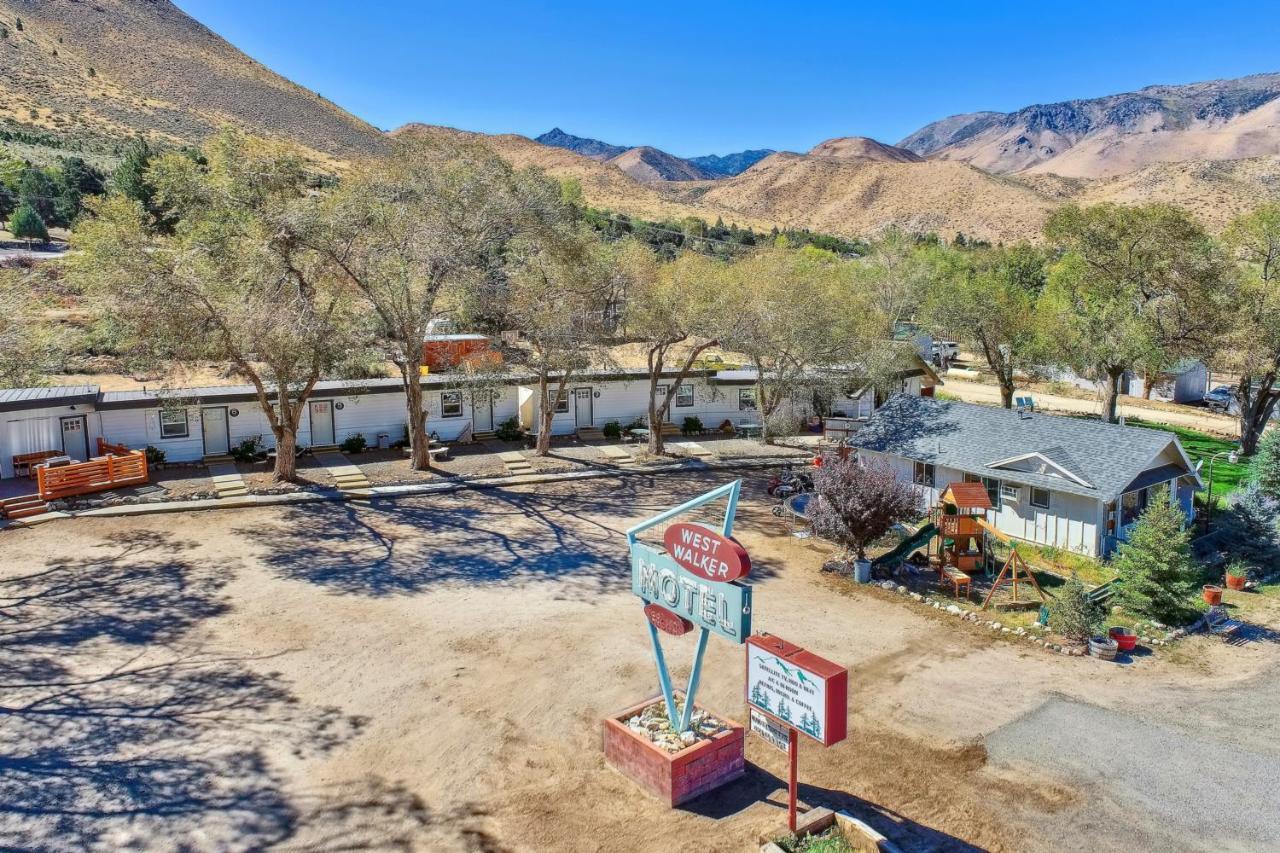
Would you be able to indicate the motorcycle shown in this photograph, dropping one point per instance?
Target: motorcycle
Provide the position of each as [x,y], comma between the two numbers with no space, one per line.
[786,483]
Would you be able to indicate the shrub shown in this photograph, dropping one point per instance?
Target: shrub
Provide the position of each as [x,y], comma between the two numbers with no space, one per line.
[612,429]
[692,425]
[1073,615]
[1157,573]
[857,502]
[1237,569]
[155,456]
[638,423]
[354,443]
[509,430]
[26,224]
[246,451]
[1250,527]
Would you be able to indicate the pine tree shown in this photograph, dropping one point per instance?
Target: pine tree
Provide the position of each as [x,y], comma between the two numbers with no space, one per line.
[26,224]
[1252,526]
[17,22]
[1157,573]
[784,710]
[1265,468]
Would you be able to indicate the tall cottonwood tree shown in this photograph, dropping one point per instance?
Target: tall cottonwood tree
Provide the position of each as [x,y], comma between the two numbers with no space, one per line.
[1135,286]
[232,281]
[415,232]
[987,298]
[1253,348]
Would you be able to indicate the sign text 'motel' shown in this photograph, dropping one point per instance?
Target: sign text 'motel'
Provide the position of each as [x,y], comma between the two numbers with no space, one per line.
[724,608]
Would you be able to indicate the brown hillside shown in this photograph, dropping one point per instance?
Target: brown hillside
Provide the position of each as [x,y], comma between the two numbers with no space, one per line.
[155,71]
[649,164]
[845,147]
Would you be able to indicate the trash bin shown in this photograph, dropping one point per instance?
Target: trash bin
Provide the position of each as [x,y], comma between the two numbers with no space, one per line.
[384,441]
[862,571]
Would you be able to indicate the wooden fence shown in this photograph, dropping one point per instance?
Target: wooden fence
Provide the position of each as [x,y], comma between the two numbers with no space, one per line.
[119,466]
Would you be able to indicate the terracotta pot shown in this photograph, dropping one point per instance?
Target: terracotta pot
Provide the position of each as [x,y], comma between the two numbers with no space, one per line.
[1125,639]
[1212,594]
[1235,582]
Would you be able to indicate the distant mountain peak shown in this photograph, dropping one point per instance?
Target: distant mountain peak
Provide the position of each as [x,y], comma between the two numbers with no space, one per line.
[844,147]
[646,163]
[587,147]
[728,165]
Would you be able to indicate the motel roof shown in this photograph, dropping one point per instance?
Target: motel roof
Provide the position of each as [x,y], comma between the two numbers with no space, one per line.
[17,399]
[1073,455]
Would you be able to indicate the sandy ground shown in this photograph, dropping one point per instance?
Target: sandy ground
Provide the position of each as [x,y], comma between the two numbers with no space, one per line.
[430,674]
[1131,407]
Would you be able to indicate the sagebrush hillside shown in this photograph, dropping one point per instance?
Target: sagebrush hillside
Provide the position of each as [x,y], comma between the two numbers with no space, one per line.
[88,75]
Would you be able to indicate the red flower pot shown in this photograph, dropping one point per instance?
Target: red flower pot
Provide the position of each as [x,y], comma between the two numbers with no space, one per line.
[1125,639]
[1235,582]
[1212,594]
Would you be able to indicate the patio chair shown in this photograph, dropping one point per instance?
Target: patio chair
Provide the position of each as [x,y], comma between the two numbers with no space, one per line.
[1220,624]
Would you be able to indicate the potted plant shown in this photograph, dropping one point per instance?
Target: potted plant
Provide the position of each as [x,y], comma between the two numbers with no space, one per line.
[1237,574]
[1125,638]
[1212,594]
[1103,648]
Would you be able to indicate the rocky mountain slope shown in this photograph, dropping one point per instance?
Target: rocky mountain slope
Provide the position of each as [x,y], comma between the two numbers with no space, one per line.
[650,164]
[590,148]
[89,75]
[723,166]
[844,147]
[1117,134]
[646,163]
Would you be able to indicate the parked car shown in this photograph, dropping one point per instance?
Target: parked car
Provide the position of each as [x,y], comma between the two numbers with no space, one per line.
[1220,399]
[945,351]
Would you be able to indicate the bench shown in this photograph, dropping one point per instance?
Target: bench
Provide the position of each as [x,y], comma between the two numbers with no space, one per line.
[23,463]
[1220,624]
[958,579]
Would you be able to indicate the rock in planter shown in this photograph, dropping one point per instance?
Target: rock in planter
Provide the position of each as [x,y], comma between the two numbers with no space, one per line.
[1103,648]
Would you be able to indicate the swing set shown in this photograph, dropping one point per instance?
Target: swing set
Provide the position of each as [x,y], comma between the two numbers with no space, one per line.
[965,547]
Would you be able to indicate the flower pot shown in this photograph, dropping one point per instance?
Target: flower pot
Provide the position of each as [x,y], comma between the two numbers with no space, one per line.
[1212,594]
[862,571]
[1125,639]
[1103,648]
[1236,582]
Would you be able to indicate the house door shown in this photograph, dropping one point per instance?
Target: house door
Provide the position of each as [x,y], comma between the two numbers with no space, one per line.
[217,435]
[1042,526]
[321,423]
[482,412]
[75,438]
[582,407]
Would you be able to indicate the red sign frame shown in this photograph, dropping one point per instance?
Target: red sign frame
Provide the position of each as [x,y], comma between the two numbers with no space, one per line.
[666,621]
[705,553]
[835,680]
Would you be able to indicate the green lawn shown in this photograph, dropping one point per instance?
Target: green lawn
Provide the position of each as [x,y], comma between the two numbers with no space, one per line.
[1226,476]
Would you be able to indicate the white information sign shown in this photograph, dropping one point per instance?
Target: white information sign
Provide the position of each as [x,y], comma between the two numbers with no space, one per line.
[786,691]
[773,732]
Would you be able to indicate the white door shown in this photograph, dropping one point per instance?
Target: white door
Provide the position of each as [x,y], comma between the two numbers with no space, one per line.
[213,423]
[321,423]
[75,438]
[582,405]
[1042,526]
[482,412]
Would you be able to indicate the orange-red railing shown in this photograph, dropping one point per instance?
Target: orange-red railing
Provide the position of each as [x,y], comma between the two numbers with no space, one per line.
[119,467]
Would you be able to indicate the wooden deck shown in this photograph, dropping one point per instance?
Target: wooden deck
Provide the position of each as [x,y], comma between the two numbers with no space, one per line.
[115,466]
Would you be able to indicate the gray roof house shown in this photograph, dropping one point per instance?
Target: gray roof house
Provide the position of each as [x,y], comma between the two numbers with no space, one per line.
[1062,481]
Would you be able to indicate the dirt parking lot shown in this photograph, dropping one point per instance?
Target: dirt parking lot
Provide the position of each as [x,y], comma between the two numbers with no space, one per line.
[430,674]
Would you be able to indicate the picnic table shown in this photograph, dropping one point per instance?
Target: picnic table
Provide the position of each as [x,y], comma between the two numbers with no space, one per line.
[638,434]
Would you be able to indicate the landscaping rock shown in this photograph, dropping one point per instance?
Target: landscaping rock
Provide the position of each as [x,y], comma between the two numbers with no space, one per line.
[954,610]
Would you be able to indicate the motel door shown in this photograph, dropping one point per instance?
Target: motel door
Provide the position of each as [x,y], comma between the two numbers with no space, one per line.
[482,412]
[75,438]
[217,435]
[322,423]
[582,407]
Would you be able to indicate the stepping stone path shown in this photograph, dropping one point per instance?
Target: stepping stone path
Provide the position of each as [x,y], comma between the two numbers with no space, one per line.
[617,455]
[692,448]
[346,476]
[227,482]
[516,462]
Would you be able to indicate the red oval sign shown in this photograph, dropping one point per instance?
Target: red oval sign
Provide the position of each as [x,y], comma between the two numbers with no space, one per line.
[666,621]
[706,553]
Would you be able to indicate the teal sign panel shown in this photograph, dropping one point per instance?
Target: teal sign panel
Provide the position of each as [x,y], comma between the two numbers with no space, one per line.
[724,608]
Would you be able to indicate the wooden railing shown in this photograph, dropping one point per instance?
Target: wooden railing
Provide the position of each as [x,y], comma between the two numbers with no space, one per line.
[105,448]
[97,475]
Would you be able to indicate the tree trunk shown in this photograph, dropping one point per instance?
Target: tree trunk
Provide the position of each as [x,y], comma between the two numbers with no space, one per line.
[1111,394]
[657,444]
[1256,407]
[420,445]
[658,412]
[286,454]
[1001,368]
[547,413]
[1006,391]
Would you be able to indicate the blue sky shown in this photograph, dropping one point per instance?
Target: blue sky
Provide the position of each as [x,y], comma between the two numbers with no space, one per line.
[701,78]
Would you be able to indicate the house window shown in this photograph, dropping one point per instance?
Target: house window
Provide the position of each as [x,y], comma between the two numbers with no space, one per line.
[925,474]
[561,407]
[662,390]
[173,423]
[746,399]
[1132,505]
[451,404]
[684,396]
[1039,498]
[992,486]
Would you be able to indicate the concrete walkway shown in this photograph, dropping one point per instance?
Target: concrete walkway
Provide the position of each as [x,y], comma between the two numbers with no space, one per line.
[692,448]
[617,455]
[346,476]
[227,482]
[515,462]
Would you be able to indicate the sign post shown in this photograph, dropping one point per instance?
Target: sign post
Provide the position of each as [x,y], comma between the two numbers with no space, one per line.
[805,693]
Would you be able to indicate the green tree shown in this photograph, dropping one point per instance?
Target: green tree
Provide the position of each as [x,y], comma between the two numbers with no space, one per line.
[234,282]
[1073,614]
[29,347]
[8,202]
[1157,573]
[38,189]
[1251,526]
[987,298]
[1265,467]
[26,224]
[1134,286]
[131,178]
[1253,338]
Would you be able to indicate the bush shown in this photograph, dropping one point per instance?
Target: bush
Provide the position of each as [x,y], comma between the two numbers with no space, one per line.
[509,430]
[1250,527]
[1265,467]
[858,502]
[638,423]
[354,443]
[25,224]
[612,429]
[1073,615]
[1157,574]
[692,425]
[246,451]
[155,456]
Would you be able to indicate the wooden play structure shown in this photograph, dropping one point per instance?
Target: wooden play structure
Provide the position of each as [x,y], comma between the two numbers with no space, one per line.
[1013,567]
[964,547]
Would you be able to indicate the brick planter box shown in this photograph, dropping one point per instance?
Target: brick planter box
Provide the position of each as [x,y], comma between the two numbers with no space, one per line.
[674,777]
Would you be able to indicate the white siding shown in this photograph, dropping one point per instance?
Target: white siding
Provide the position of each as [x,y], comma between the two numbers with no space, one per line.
[33,430]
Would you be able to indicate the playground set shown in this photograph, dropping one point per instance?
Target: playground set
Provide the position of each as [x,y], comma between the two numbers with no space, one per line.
[961,543]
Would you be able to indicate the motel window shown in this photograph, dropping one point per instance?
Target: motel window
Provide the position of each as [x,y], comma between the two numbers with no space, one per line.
[1040,498]
[562,407]
[746,399]
[451,404]
[925,474]
[684,397]
[173,423]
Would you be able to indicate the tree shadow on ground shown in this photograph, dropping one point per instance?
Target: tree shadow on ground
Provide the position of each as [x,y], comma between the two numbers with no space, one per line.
[759,785]
[125,729]
[570,531]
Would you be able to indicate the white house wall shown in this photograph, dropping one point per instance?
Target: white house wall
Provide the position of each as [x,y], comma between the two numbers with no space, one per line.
[34,430]
[626,401]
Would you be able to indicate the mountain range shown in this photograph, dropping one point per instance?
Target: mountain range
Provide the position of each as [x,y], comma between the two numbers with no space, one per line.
[85,77]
